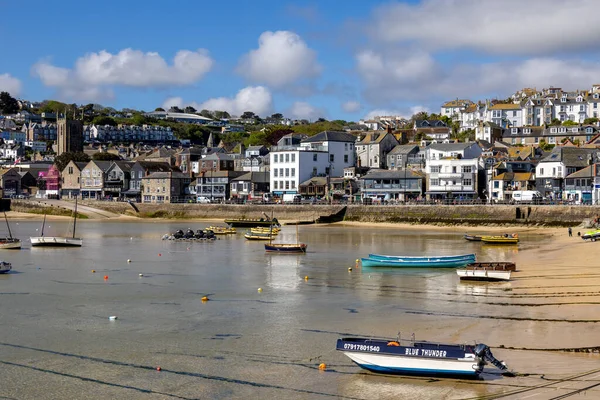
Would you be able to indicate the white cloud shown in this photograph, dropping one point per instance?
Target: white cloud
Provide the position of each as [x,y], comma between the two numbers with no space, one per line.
[10,84]
[417,76]
[351,106]
[257,99]
[507,27]
[303,110]
[281,60]
[95,74]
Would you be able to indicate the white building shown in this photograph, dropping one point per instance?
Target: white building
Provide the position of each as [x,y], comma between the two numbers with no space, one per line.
[571,108]
[453,109]
[452,170]
[129,133]
[36,146]
[537,112]
[505,115]
[593,107]
[294,161]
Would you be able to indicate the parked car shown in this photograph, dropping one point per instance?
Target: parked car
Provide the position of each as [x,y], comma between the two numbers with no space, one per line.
[203,200]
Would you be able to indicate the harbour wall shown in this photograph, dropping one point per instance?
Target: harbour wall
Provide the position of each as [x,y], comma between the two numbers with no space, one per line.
[551,215]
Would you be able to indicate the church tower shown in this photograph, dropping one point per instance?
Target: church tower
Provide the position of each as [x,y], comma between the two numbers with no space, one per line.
[69,135]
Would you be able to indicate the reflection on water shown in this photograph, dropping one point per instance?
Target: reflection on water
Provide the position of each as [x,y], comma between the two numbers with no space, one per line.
[242,343]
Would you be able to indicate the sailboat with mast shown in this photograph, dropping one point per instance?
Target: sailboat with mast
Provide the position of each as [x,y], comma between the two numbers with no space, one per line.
[9,242]
[58,241]
[287,248]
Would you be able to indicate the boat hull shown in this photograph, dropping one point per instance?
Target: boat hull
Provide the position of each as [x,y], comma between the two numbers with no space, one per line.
[5,267]
[499,240]
[483,275]
[285,248]
[420,258]
[249,223]
[420,358]
[10,243]
[55,241]
[473,238]
[369,262]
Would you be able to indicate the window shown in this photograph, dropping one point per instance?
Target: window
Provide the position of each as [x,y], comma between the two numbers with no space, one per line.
[287,185]
[275,172]
[331,157]
[346,146]
[541,171]
[514,141]
[70,170]
[514,131]
[435,182]
[287,157]
[314,173]
[293,172]
[514,114]
[287,172]
[315,157]
[293,157]
[467,182]
[280,171]
[274,159]
[293,185]
[435,169]
[346,158]
[496,184]
[527,131]
[467,169]
[581,108]
[274,184]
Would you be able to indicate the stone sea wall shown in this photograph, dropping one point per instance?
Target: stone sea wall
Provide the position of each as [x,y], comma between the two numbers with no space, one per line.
[438,214]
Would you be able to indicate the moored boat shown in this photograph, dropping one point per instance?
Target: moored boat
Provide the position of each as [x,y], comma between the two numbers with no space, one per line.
[285,248]
[591,235]
[504,239]
[483,274]
[58,241]
[5,267]
[251,223]
[418,357]
[9,242]
[258,236]
[472,238]
[222,230]
[416,263]
[421,258]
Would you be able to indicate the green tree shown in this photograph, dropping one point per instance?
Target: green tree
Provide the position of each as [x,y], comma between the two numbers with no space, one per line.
[159,109]
[273,135]
[248,115]
[257,138]
[221,115]
[555,122]
[8,104]
[103,120]
[545,146]
[105,157]
[421,115]
[53,106]
[175,109]
[139,119]
[62,160]
[590,121]
[569,123]
[206,114]
[277,116]
[189,110]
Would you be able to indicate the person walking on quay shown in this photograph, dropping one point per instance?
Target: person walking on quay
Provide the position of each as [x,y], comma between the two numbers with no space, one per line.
[570,232]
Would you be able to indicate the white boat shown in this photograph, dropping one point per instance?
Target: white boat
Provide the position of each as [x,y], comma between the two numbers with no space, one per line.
[5,267]
[483,275]
[418,357]
[57,241]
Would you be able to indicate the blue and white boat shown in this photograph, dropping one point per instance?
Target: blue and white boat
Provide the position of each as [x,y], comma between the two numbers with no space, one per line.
[375,260]
[420,258]
[418,357]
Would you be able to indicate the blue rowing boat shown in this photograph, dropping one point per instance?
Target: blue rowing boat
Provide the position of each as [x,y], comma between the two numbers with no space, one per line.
[416,263]
[421,258]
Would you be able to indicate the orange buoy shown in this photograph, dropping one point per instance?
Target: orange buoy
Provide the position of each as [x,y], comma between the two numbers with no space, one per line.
[306,278]
[159,254]
[105,277]
[205,298]
[322,366]
[158,368]
[93,271]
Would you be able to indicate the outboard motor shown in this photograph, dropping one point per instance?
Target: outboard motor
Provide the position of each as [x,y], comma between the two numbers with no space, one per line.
[178,234]
[484,352]
[199,234]
[189,234]
[210,234]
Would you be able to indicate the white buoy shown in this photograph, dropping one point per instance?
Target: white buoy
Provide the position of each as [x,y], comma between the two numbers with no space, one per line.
[141,275]
[112,318]
[128,260]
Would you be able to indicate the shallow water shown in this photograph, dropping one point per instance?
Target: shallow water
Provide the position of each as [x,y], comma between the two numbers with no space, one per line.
[56,339]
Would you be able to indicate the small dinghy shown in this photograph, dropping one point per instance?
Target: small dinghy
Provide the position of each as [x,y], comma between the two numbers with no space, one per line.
[5,267]
[411,357]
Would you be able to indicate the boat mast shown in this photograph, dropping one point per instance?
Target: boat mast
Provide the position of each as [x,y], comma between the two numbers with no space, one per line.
[43,224]
[271,229]
[297,238]
[75,219]
[7,225]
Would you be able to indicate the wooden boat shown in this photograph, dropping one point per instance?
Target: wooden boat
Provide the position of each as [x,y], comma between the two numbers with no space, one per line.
[416,263]
[58,241]
[222,230]
[412,357]
[504,239]
[265,230]
[5,267]
[591,235]
[258,236]
[286,248]
[487,271]
[472,238]
[421,258]
[9,242]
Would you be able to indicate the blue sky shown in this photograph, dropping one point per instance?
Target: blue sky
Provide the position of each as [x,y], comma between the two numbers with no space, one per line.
[304,59]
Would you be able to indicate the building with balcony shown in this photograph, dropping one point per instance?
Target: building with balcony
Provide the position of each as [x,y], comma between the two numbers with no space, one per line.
[561,162]
[325,154]
[453,170]
[250,186]
[392,185]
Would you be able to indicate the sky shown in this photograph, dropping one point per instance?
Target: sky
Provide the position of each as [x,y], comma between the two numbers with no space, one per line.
[305,59]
